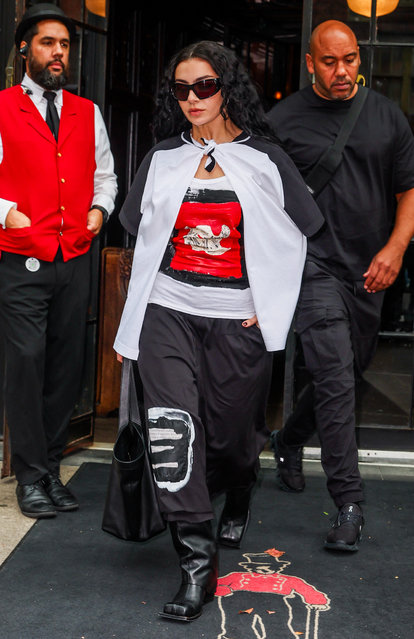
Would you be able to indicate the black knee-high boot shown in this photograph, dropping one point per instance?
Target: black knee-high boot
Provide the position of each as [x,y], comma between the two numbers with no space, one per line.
[235,517]
[197,553]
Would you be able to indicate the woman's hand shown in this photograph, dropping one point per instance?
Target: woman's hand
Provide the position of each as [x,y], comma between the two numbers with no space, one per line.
[119,358]
[251,322]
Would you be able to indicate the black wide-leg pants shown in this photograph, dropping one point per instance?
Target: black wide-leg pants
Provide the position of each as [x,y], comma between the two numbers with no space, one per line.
[206,383]
[43,319]
[338,324]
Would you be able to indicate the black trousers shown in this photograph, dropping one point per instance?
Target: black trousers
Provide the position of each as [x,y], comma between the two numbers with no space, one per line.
[338,324]
[43,319]
[205,384]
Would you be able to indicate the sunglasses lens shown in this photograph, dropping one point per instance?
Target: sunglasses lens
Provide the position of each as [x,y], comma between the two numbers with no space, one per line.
[180,91]
[206,88]
[203,89]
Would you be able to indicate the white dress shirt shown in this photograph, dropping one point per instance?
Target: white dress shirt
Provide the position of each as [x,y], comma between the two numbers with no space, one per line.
[105,184]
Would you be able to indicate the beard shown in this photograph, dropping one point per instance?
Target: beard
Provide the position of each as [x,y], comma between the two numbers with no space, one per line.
[44,77]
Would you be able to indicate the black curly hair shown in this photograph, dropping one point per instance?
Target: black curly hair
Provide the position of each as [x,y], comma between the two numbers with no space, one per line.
[241,102]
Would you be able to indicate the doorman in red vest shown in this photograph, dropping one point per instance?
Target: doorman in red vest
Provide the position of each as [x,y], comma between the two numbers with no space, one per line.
[57,188]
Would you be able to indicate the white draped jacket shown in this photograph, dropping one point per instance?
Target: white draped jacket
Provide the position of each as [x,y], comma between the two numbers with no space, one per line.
[278,212]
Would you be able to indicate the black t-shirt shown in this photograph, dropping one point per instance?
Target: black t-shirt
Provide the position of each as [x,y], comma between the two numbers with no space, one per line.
[358,203]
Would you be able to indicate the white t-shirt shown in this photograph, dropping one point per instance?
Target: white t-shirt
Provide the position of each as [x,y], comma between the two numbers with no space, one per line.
[203,271]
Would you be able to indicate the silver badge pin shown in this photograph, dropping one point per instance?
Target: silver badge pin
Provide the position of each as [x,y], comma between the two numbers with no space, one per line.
[32,264]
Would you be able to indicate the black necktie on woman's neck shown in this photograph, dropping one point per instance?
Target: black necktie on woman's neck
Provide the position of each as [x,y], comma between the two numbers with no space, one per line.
[52,118]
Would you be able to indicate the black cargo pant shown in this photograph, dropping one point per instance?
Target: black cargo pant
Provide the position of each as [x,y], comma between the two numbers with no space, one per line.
[205,384]
[338,324]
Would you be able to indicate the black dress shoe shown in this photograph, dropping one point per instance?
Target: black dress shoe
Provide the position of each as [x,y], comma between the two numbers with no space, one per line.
[60,496]
[33,501]
[289,464]
[346,531]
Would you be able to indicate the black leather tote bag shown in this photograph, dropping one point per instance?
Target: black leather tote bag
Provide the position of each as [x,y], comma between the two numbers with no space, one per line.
[131,509]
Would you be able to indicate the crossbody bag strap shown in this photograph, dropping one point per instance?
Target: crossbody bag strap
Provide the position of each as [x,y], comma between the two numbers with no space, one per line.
[331,158]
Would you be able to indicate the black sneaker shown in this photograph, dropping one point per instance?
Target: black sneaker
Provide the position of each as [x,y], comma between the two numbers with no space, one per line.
[289,464]
[346,531]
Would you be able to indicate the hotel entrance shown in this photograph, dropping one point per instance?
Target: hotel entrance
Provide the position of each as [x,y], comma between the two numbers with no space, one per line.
[117,60]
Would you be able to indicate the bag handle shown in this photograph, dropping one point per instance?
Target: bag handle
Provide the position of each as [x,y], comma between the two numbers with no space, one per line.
[128,401]
[331,158]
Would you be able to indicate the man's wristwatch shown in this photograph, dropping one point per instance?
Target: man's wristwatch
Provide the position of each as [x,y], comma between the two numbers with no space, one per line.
[104,212]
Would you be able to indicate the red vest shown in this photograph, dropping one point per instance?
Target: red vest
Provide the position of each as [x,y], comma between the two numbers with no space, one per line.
[52,182]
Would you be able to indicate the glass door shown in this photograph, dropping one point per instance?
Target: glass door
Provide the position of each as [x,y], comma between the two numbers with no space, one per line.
[385,395]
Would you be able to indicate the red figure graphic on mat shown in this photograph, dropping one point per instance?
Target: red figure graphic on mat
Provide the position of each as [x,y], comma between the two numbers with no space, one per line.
[240,606]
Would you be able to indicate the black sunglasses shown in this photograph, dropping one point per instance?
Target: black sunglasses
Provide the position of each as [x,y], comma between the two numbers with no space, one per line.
[203,89]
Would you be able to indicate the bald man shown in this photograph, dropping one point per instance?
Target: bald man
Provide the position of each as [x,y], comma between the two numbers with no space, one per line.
[368,205]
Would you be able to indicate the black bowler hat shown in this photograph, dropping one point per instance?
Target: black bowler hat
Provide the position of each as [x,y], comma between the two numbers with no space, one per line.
[42,11]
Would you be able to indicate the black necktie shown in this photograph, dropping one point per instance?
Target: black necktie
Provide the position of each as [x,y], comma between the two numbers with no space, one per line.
[52,118]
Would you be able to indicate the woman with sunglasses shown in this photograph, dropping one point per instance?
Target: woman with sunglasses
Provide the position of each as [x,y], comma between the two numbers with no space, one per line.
[220,214]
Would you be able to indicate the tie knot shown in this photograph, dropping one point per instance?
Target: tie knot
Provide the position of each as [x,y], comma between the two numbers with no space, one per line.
[49,95]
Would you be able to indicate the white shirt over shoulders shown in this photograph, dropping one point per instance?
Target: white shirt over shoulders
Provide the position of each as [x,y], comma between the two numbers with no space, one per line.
[275,247]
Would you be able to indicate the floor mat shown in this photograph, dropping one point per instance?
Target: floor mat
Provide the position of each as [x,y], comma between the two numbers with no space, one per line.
[69,580]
